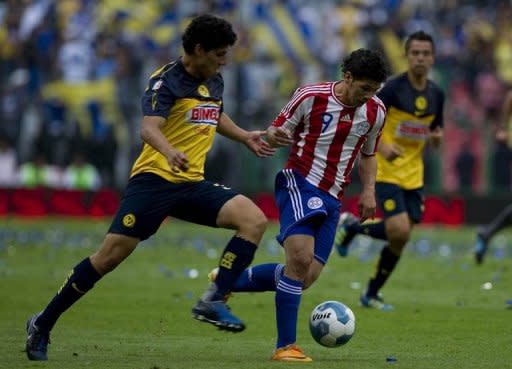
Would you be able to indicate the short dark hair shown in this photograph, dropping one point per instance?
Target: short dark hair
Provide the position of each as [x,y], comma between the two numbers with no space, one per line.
[210,32]
[419,36]
[365,64]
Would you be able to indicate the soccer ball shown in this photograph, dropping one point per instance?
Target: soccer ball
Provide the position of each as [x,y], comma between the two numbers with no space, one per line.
[332,324]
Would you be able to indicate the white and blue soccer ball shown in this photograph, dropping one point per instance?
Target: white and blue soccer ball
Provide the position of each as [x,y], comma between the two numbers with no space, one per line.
[332,324]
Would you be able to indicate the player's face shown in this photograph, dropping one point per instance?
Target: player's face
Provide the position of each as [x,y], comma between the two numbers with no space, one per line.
[211,61]
[360,90]
[420,57]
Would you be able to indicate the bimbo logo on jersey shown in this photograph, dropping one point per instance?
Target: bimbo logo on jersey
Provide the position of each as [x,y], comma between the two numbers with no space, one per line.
[413,130]
[204,114]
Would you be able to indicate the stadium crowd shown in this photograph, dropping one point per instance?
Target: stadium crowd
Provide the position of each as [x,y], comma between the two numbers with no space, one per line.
[73,72]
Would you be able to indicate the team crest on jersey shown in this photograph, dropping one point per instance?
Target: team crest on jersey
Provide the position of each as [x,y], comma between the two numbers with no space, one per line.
[362,128]
[129,220]
[203,91]
[420,104]
[204,114]
[157,85]
[389,205]
[315,203]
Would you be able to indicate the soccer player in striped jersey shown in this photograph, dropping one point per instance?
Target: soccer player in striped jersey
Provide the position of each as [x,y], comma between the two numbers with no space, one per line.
[414,117]
[183,109]
[327,125]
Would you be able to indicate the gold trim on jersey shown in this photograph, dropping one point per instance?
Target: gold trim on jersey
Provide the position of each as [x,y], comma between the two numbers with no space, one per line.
[410,132]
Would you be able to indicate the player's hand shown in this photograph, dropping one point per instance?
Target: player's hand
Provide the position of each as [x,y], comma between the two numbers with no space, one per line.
[435,136]
[279,136]
[391,151]
[501,135]
[367,205]
[177,160]
[257,145]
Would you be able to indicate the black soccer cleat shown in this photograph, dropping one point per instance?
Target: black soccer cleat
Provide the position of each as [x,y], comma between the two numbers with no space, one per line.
[37,341]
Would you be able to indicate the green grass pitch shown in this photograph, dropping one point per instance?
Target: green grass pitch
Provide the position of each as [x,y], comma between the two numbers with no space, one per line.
[138,317]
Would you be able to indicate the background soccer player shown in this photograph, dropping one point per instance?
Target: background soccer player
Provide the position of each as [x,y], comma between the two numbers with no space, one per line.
[327,126]
[504,218]
[414,116]
[183,109]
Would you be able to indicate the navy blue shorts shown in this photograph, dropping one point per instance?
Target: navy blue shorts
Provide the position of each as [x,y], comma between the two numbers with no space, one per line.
[394,200]
[149,199]
[305,209]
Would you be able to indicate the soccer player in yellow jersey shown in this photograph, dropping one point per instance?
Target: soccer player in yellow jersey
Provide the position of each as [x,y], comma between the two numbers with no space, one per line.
[414,117]
[183,109]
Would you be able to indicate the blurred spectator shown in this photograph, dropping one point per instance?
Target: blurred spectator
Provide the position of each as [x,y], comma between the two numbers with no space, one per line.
[105,63]
[80,175]
[38,173]
[100,144]
[75,57]
[8,164]
[502,166]
[489,92]
[465,166]
[13,100]
[58,135]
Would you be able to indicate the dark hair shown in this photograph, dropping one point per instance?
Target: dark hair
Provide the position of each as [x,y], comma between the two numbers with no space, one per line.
[418,36]
[210,32]
[365,64]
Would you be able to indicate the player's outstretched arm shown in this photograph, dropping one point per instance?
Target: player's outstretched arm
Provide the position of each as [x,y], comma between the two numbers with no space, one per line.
[252,139]
[367,173]
[279,136]
[436,136]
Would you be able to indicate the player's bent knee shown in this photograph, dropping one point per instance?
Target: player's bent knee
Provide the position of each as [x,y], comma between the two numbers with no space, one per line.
[314,272]
[252,225]
[257,220]
[398,233]
[298,266]
[401,235]
[240,212]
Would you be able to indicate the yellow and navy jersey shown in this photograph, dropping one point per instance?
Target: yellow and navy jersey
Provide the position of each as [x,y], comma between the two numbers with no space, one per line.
[411,114]
[192,108]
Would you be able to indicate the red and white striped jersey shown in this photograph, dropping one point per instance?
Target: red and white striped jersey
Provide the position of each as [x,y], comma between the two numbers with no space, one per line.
[329,135]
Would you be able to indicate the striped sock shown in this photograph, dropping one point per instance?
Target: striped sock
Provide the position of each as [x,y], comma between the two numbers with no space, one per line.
[288,296]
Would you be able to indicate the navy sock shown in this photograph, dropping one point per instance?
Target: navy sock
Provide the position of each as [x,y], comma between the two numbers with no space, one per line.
[374,230]
[81,279]
[502,220]
[288,296]
[237,256]
[259,278]
[385,266]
